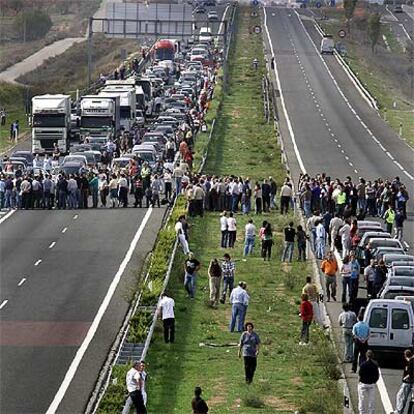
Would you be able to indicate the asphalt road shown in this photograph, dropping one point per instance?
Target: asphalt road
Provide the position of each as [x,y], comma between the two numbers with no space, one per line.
[330,128]
[52,303]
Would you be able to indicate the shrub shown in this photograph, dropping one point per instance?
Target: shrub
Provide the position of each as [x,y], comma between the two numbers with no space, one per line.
[33,24]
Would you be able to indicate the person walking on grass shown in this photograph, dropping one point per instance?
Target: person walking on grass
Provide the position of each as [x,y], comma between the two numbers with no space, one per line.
[267,242]
[329,267]
[249,238]
[191,267]
[347,319]
[214,273]
[179,230]
[301,238]
[368,377]
[306,314]
[198,405]
[249,346]
[290,234]
[134,385]
[223,229]
[166,311]
[231,230]
[228,268]
[239,300]
[407,383]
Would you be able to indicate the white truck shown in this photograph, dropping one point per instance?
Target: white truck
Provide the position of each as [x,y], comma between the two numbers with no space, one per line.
[140,100]
[391,323]
[100,116]
[51,123]
[127,103]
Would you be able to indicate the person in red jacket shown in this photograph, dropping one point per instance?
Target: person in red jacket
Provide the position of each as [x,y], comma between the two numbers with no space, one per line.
[306,314]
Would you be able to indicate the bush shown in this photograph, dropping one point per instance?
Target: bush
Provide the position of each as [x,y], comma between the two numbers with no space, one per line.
[33,24]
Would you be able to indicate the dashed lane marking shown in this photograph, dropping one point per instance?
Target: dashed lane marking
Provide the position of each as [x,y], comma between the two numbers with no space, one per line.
[38,262]
[51,245]
[3,304]
[21,282]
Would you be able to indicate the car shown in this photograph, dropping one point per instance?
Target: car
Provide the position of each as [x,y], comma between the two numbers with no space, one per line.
[210,3]
[120,163]
[391,292]
[384,242]
[140,118]
[73,167]
[402,263]
[75,157]
[400,271]
[379,252]
[396,257]
[166,130]
[24,154]
[398,9]
[156,137]
[212,16]
[199,10]
[205,35]
[93,153]
[366,237]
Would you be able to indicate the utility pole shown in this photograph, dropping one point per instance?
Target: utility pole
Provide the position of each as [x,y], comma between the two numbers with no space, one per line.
[90,33]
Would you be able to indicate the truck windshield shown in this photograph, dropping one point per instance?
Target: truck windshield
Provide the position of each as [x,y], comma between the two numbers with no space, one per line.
[140,101]
[49,120]
[164,54]
[146,87]
[96,122]
[125,112]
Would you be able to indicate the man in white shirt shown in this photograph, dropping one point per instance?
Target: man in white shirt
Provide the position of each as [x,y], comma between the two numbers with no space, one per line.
[286,194]
[181,235]
[334,226]
[320,240]
[223,229]
[134,385]
[239,300]
[249,237]
[166,311]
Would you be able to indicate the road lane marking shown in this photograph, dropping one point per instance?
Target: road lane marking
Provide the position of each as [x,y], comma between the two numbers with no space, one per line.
[383,392]
[70,373]
[365,127]
[10,213]
[51,245]
[3,304]
[75,217]
[282,100]
[38,262]
[64,230]
[21,282]
[356,171]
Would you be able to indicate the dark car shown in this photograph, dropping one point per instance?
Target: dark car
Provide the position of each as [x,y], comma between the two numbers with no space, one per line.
[24,154]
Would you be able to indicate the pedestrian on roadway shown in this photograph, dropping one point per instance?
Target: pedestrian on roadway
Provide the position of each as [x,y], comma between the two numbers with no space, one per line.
[249,346]
[368,377]
[406,387]
[329,267]
[369,276]
[134,385]
[320,240]
[239,300]
[301,238]
[346,271]
[198,405]
[290,234]
[389,218]
[360,332]
[249,237]
[191,267]
[214,273]
[347,319]
[228,268]
[306,314]
[355,270]
[399,224]
[312,291]
[166,311]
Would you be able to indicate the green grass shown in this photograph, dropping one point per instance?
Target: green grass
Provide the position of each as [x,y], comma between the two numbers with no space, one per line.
[288,378]
[12,98]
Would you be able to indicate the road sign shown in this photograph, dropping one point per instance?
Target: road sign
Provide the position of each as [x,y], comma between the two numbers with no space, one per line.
[257,29]
[342,33]
[318,5]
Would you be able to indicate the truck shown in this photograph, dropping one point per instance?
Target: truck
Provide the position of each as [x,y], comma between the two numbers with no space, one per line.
[100,115]
[140,99]
[327,45]
[127,103]
[51,123]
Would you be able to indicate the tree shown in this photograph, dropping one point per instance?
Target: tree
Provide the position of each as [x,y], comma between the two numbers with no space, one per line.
[349,7]
[374,29]
[33,24]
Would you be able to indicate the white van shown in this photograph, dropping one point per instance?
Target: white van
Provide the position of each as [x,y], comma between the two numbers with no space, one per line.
[391,323]
[327,45]
[205,35]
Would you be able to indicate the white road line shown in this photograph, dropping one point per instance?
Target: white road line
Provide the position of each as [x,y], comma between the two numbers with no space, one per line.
[282,100]
[75,217]
[21,282]
[70,373]
[385,398]
[51,245]
[336,83]
[3,304]
[356,171]
[38,262]
[10,213]
[64,230]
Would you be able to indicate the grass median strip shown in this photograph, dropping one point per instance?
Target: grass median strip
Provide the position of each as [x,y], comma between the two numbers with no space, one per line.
[289,377]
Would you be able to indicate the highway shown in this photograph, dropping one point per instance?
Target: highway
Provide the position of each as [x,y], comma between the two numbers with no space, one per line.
[327,126]
[64,282]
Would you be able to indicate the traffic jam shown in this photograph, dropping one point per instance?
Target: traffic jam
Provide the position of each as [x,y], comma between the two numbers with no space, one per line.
[124,144]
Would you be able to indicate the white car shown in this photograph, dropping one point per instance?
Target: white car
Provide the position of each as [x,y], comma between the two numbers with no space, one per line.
[212,15]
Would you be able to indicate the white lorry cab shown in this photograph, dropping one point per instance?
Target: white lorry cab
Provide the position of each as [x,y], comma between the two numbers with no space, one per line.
[391,323]
[327,45]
